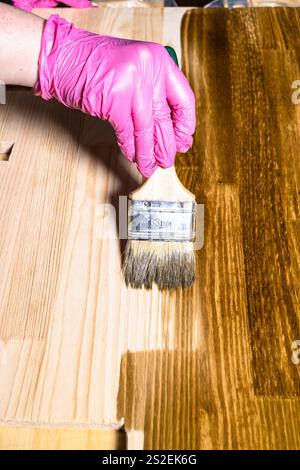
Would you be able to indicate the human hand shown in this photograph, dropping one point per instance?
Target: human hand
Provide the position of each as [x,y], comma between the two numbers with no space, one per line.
[135,85]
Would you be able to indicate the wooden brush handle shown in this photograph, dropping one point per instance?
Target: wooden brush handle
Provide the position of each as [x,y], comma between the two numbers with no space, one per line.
[163,185]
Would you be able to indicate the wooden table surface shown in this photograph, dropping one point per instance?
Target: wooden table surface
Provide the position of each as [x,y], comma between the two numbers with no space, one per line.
[242,387]
[205,368]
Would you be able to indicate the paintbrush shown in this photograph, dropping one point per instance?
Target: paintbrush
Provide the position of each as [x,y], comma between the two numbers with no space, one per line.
[161,230]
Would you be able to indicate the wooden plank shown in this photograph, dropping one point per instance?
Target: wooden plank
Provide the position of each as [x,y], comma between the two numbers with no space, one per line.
[231,383]
[20,438]
[267,136]
[65,315]
[232,63]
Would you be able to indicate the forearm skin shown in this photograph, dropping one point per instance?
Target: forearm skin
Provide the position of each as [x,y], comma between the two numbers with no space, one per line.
[20,39]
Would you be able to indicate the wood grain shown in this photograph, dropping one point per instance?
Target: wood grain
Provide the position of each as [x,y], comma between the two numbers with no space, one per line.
[66,316]
[29,438]
[206,368]
[230,383]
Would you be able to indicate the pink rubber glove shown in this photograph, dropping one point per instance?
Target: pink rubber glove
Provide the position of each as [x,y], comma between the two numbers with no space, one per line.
[134,85]
[28,5]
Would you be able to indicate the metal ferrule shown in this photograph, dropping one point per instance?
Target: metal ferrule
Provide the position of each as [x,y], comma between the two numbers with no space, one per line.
[161,220]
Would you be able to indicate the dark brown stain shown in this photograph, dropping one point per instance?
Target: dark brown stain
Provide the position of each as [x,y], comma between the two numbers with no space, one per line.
[236,387]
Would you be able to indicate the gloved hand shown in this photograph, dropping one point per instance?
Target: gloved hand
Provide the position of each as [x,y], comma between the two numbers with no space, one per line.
[135,85]
[28,5]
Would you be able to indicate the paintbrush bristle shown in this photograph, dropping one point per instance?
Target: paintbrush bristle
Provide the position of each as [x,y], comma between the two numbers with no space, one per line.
[167,264]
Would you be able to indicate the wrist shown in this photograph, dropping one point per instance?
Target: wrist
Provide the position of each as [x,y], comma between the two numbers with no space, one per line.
[61,63]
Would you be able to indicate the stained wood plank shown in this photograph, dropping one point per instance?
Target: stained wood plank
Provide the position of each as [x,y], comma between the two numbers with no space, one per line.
[230,383]
[266,151]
